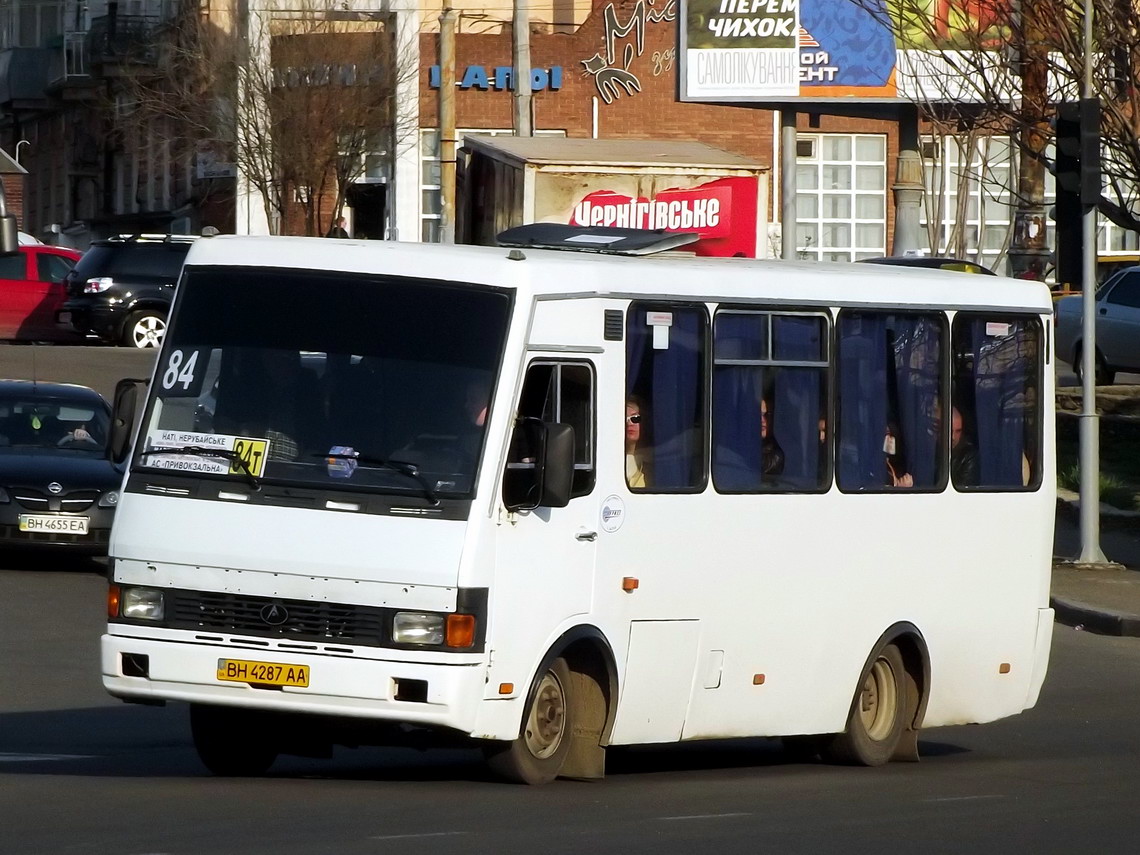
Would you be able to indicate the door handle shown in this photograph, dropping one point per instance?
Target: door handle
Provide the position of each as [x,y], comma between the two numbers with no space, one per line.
[586,535]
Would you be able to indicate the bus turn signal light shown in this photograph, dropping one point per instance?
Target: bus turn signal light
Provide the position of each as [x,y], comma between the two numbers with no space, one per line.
[113,601]
[460,631]
[506,688]
[1003,668]
[629,583]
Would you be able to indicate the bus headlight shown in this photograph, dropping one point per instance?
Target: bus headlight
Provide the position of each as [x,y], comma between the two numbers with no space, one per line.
[141,603]
[109,499]
[417,628]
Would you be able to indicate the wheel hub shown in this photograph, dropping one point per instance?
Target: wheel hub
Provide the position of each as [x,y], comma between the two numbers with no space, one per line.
[547,720]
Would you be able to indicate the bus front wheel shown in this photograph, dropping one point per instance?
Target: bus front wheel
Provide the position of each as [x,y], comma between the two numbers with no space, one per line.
[875,723]
[232,742]
[539,753]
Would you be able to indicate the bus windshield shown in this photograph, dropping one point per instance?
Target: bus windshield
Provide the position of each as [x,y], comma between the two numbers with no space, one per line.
[327,380]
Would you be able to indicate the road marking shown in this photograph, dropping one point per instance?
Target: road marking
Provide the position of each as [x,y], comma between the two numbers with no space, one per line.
[413,836]
[700,816]
[37,758]
[965,798]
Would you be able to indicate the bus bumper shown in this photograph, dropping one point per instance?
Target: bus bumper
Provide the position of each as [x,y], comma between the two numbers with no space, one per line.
[440,695]
[1041,648]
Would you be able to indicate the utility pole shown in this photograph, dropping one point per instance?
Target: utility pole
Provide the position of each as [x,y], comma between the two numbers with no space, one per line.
[788,218]
[521,57]
[447,122]
[1090,423]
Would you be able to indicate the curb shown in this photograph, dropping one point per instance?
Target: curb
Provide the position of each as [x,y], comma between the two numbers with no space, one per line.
[1091,619]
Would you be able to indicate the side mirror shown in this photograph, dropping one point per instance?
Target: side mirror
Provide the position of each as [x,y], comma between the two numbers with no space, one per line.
[545,477]
[557,478]
[123,413]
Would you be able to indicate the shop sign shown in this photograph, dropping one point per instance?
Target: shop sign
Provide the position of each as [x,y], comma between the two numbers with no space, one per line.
[500,77]
[703,210]
[613,77]
[707,209]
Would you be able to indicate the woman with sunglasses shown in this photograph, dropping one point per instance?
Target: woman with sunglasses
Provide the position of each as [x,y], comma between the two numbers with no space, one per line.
[635,458]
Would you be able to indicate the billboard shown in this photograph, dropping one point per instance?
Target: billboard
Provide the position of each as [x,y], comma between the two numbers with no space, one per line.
[817,50]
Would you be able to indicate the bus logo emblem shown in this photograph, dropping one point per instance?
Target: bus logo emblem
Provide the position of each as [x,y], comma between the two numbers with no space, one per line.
[274,615]
[613,513]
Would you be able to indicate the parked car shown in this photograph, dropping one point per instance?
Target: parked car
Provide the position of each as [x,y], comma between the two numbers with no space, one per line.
[57,486]
[1117,327]
[936,262]
[122,288]
[32,293]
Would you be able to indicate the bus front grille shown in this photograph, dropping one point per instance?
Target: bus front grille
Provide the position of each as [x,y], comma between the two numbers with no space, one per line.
[298,620]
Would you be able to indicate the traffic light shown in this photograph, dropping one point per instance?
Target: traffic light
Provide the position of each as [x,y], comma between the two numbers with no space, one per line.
[1077,144]
[1077,170]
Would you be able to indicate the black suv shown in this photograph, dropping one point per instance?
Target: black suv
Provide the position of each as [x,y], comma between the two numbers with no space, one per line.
[122,287]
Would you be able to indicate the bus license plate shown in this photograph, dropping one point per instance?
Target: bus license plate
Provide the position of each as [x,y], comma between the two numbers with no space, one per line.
[263,673]
[55,525]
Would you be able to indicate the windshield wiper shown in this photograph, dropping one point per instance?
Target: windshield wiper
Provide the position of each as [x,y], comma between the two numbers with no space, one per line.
[223,453]
[401,466]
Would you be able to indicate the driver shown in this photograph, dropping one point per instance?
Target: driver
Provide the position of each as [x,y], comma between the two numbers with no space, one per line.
[79,434]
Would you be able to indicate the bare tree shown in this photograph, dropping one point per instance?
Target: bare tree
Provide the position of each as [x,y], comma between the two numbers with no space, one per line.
[1004,64]
[296,99]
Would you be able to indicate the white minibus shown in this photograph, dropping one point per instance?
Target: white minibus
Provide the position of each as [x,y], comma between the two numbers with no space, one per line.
[548,502]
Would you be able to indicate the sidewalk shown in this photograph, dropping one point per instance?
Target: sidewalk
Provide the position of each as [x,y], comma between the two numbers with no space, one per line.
[1101,600]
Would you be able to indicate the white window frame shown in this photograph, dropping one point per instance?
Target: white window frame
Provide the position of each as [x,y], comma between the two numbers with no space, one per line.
[853,250]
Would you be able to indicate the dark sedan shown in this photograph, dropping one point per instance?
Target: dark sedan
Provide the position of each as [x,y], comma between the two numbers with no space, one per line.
[934,262]
[57,487]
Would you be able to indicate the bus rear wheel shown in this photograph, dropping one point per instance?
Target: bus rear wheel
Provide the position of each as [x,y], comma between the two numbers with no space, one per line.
[876,720]
[539,753]
[233,743]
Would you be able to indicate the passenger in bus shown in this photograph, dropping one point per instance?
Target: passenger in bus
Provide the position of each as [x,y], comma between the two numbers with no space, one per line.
[771,455]
[636,462]
[963,453]
[897,476]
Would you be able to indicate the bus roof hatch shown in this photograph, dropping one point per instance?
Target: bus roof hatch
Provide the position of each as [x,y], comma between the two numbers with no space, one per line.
[604,239]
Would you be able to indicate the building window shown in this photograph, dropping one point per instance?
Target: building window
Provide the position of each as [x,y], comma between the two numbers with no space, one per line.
[431,174]
[841,196]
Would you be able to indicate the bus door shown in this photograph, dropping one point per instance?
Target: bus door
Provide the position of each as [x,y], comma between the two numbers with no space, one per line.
[547,554]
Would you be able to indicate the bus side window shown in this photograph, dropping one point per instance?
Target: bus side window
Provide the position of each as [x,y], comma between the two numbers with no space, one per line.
[770,379]
[553,392]
[996,402]
[665,371]
[891,377]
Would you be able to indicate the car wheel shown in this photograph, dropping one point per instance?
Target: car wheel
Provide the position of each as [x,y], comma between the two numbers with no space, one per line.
[144,329]
[876,720]
[1103,375]
[233,742]
[539,753]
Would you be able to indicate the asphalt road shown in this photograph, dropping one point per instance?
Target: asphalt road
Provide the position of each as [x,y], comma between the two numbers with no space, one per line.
[83,773]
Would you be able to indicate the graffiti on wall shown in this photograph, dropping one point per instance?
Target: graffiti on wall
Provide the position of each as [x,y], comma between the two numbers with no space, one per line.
[611,77]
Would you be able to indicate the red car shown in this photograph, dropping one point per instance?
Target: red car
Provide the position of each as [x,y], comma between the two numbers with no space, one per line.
[32,294]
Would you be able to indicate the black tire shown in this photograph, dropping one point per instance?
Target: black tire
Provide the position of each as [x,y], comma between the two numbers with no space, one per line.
[1103,376]
[539,753]
[143,329]
[233,742]
[804,749]
[876,720]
